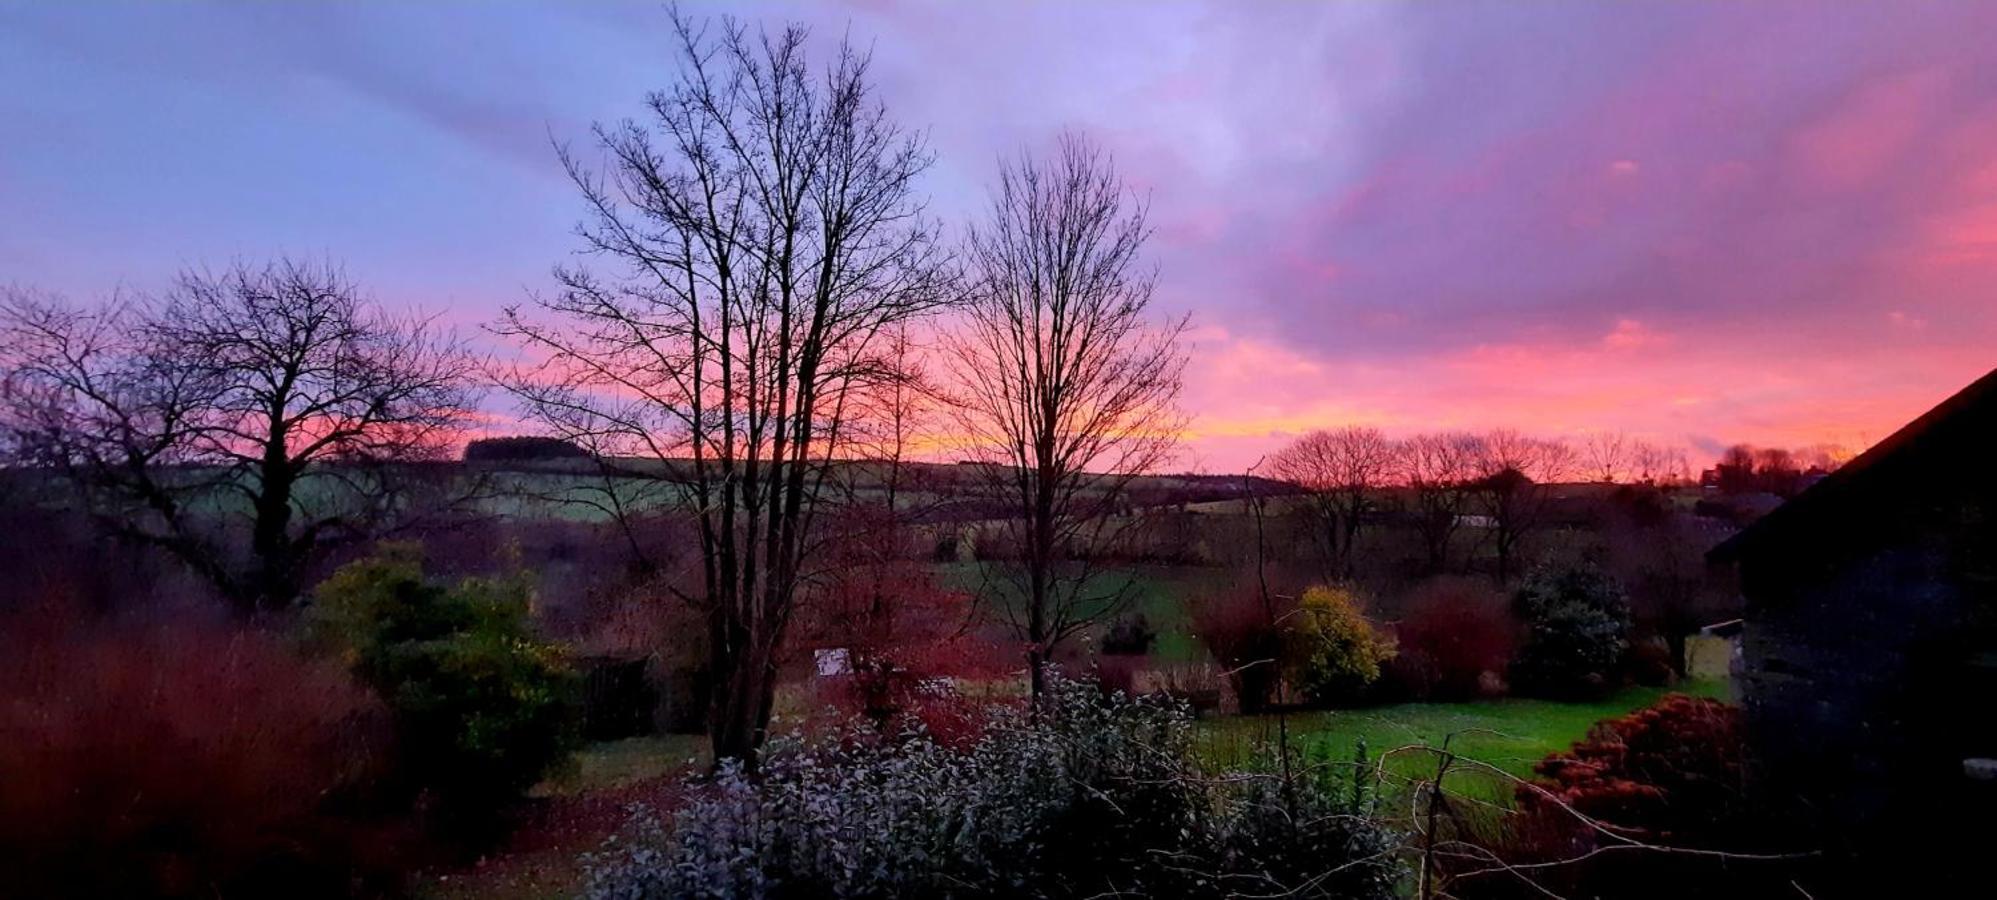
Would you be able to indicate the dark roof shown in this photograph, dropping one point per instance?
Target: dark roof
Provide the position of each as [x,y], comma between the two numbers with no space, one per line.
[1955,440]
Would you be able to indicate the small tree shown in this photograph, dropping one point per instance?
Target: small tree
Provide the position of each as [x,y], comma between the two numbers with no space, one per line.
[1577,623]
[1336,651]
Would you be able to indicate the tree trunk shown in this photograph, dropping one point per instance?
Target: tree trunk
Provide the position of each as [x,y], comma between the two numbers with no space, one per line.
[274,584]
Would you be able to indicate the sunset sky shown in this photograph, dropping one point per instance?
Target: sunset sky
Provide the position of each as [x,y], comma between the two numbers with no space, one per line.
[1696,223]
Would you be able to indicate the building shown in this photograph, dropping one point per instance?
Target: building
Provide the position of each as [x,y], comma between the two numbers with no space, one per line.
[1868,672]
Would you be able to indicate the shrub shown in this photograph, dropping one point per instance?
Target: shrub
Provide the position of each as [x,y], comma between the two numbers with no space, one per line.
[1337,652]
[1128,636]
[1094,793]
[1669,775]
[1243,631]
[1454,642]
[482,708]
[182,761]
[904,638]
[1577,628]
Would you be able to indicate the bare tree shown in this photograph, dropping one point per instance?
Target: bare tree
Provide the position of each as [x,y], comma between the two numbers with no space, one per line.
[1513,471]
[1437,470]
[759,233]
[1609,456]
[1067,390]
[276,393]
[1341,470]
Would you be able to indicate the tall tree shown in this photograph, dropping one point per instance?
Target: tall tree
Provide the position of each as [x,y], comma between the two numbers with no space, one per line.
[1437,470]
[277,393]
[1512,488]
[759,235]
[1341,470]
[1067,389]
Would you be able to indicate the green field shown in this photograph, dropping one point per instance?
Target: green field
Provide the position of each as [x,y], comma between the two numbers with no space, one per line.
[1158,592]
[1510,734]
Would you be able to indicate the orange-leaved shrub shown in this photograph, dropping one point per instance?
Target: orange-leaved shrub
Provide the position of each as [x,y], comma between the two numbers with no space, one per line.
[183,760]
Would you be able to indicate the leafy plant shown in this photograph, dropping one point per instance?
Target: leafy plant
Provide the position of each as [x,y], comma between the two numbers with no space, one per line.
[482,708]
[1337,652]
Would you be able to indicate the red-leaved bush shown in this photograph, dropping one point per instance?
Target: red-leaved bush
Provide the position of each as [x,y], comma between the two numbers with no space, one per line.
[1667,773]
[1455,638]
[1667,776]
[182,760]
[903,640]
[1243,628]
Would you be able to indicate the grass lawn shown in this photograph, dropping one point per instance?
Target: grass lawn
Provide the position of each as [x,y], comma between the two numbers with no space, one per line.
[1510,734]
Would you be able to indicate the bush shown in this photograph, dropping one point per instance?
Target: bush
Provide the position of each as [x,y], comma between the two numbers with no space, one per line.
[1669,775]
[1243,631]
[1577,624]
[1337,652]
[1454,642]
[1128,636]
[904,638]
[182,761]
[482,709]
[1097,793]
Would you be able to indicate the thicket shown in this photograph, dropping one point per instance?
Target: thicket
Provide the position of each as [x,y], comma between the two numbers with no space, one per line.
[1454,641]
[1650,804]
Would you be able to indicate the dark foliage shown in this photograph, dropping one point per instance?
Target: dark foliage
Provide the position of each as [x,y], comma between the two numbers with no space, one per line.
[1455,640]
[1577,625]
[482,708]
[1242,628]
[1668,776]
[1128,636]
[522,447]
